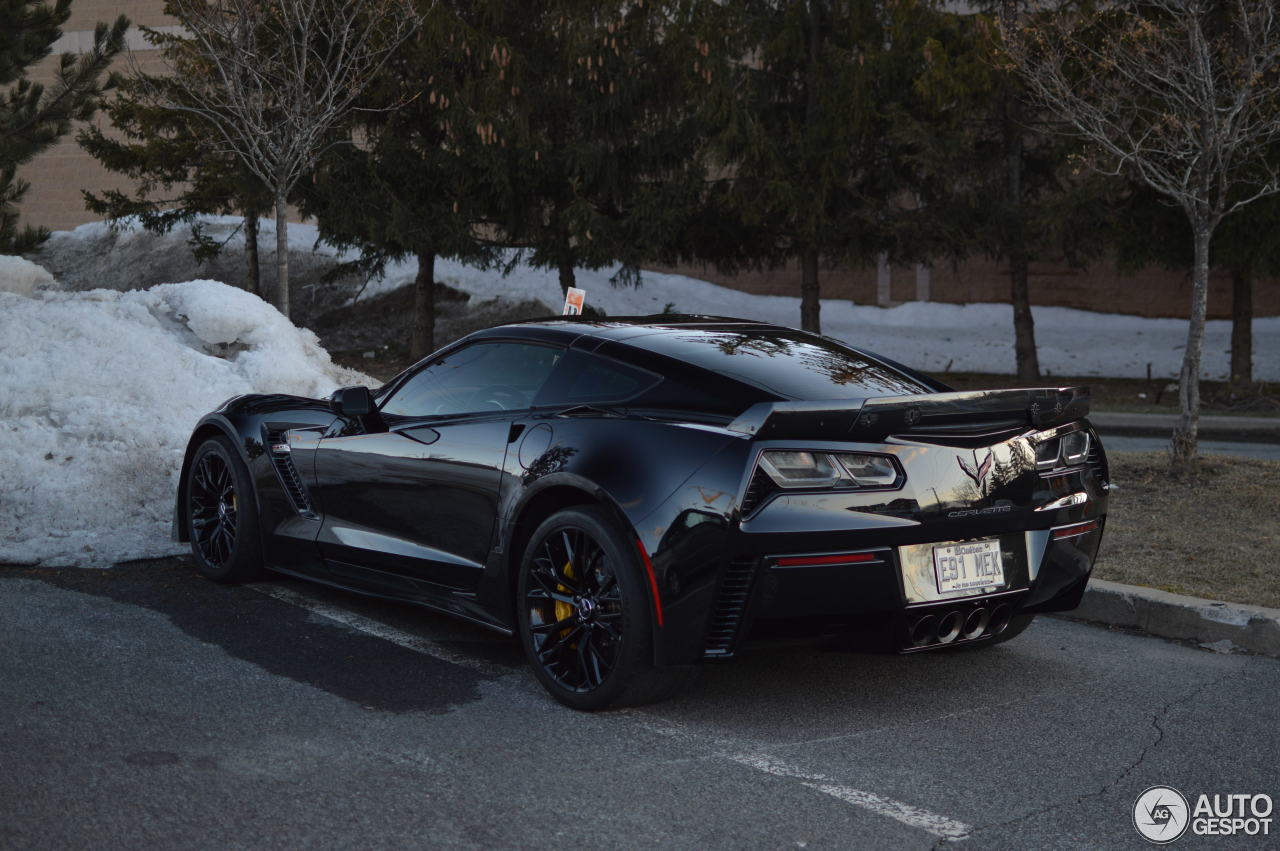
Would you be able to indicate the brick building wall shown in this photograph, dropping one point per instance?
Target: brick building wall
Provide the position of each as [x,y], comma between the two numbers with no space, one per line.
[60,175]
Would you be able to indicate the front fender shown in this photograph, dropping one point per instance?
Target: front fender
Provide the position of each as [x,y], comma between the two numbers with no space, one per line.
[210,425]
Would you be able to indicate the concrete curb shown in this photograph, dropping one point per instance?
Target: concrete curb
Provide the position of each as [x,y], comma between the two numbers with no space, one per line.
[1252,628]
[1249,429]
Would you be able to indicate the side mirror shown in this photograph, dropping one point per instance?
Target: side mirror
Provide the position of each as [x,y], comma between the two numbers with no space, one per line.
[351,402]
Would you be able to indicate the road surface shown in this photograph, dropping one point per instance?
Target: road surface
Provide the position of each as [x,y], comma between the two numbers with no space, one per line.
[145,707]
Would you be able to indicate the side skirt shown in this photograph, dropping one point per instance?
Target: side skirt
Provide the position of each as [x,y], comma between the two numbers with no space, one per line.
[386,586]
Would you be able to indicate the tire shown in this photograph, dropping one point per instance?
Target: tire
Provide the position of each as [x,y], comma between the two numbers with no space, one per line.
[584,614]
[221,513]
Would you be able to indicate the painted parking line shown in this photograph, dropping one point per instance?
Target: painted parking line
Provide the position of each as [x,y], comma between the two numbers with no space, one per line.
[908,814]
[940,826]
[378,629]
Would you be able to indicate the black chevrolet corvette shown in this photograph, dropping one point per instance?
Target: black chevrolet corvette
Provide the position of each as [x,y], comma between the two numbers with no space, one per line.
[633,497]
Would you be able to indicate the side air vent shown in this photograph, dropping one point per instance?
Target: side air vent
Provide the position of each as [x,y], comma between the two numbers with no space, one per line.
[731,604]
[757,491]
[282,460]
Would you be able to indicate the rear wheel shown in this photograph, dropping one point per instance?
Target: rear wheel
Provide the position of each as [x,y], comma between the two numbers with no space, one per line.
[222,514]
[585,615]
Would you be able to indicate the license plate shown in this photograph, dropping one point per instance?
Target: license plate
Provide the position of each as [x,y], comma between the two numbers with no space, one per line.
[971,566]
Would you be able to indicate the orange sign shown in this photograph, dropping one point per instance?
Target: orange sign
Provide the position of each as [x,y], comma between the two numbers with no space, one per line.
[573,300]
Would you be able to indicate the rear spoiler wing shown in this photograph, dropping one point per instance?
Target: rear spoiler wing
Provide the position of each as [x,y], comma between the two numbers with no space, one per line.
[934,414]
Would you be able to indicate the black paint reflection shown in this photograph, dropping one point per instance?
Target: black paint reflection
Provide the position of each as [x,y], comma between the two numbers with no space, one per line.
[788,363]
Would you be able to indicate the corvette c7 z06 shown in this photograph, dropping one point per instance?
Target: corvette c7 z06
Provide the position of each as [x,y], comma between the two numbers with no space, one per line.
[633,497]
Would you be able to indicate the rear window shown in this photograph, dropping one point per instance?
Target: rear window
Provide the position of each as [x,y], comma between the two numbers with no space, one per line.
[789,363]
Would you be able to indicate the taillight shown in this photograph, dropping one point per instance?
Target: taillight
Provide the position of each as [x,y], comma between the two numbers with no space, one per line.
[830,470]
[1068,450]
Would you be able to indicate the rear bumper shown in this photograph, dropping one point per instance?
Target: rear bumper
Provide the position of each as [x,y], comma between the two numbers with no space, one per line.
[766,593]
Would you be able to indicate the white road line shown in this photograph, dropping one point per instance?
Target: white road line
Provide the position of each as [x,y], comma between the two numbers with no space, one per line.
[378,629]
[939,826]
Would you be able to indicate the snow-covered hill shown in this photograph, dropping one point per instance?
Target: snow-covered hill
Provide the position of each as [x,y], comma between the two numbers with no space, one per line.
[99,392]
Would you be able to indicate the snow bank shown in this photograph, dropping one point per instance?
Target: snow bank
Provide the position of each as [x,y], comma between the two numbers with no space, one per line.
[99,392]
[21,276]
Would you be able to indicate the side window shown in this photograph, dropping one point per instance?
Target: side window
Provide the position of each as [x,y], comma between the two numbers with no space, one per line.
[586,379]
[480,377]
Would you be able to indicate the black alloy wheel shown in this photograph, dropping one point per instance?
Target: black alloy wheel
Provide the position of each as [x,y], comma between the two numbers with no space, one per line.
[585,615]
[221,513]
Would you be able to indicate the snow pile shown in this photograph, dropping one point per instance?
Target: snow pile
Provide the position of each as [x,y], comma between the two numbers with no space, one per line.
[99,392]
[125,256]
[21,276]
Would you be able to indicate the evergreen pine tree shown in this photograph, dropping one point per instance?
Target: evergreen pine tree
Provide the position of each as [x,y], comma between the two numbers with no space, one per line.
[594,109]
[420,179]
[998,176]
[33,116]
[177,170]
[813,168]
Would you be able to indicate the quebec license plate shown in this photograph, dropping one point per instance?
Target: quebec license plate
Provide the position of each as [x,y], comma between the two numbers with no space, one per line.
[971,566]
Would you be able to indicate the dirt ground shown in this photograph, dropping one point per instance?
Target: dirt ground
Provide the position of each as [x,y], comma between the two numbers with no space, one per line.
[1210,531]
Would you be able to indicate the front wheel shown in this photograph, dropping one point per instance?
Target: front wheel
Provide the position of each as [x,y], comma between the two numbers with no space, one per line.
[585,615]
[222,514]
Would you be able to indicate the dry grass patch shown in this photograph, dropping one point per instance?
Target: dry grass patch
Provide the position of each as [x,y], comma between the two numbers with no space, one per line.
[1210,530]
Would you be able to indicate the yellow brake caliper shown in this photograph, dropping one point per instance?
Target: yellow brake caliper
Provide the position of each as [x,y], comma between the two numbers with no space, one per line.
[564,610]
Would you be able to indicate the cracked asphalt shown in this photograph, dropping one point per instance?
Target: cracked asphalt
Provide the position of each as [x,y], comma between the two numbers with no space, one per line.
[145,706]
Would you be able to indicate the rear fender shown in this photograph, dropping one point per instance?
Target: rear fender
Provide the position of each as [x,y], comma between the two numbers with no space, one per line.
[646,474]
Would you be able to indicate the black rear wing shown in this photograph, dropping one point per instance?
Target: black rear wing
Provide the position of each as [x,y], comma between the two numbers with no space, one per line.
[937,414]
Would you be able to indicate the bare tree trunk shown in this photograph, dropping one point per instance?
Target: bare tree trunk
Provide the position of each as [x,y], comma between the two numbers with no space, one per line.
[282,254]
[1241,327]
[567,278]
[1024,329]
[424,306]
[810,299]
[1024,325]
[810,304]
[1184,434]
[252,277]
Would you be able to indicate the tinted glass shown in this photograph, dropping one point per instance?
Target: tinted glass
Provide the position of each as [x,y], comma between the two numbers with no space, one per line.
[789,363]
[596,380]
[479,377]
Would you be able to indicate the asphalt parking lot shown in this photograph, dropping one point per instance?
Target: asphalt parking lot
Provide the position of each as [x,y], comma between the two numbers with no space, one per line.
[143,706]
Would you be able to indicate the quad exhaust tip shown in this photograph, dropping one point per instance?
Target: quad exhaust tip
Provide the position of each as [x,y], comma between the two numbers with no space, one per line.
[925,631]
[949,626]
[1000,617]
[957,625]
